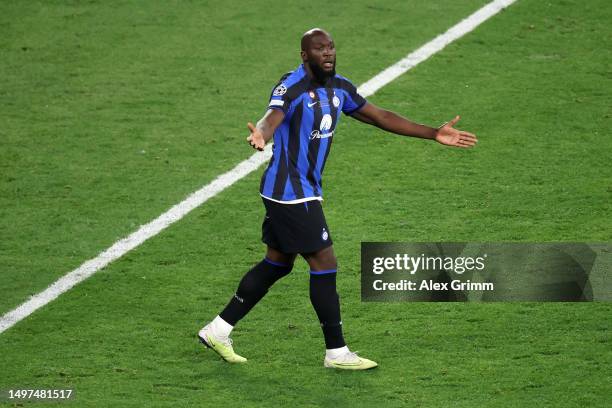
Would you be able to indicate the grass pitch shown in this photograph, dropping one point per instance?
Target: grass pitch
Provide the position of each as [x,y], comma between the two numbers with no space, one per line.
[114,112]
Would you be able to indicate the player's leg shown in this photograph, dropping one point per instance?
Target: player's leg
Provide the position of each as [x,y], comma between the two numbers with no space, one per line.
[323,295]
[326,302]
[255,284]
[252,288]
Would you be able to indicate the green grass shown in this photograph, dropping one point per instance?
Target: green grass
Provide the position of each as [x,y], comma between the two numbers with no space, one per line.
[113,113]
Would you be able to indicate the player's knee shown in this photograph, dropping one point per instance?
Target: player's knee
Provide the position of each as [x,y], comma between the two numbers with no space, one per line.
[276,256]
[330,263]
[329,260]
[324,259]
[281,273]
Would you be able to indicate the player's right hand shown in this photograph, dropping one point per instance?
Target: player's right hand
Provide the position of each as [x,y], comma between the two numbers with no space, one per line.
[256,138]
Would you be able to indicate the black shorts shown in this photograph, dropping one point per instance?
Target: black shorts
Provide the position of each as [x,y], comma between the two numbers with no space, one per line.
[295,228]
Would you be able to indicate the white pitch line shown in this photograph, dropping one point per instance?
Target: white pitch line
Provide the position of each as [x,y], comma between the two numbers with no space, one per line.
[121,247]
[411,60]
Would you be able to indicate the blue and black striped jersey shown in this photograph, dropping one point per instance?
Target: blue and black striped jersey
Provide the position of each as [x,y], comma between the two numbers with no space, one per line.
[302,141]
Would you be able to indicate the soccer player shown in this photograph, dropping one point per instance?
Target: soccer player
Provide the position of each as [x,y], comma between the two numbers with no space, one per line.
[302,115]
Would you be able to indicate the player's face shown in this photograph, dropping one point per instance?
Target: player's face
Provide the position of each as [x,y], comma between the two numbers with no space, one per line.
[321,53]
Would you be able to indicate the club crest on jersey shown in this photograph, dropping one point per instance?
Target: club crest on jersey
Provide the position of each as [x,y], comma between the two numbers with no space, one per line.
[311,94]
[324,235]
[280,90]
[322,133]
[336,101]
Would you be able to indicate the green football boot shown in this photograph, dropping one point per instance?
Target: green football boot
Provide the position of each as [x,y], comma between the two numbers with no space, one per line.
[349,361]
[222,347]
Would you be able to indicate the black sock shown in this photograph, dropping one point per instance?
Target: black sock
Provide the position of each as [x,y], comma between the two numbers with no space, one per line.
[326,303]
[253,286]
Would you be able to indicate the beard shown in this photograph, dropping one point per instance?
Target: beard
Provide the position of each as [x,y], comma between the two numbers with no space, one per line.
[320,74]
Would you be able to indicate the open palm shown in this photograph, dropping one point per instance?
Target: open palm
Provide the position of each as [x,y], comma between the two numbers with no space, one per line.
[448,135]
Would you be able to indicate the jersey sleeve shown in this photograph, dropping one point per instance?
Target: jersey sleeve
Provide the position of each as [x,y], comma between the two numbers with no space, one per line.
[279,98]
[353,101]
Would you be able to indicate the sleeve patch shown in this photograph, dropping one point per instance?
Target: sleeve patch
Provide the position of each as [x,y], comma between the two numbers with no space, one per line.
[280,90]
[277,102]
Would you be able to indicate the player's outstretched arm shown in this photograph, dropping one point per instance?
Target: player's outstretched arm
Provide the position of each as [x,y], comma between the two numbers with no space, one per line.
[265,128]
[392,122]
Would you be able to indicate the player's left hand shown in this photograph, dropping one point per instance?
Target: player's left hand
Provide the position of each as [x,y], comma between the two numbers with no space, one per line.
[256,138]
[448,135]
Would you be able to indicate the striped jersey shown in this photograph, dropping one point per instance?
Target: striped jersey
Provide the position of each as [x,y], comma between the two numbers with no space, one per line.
[302,141]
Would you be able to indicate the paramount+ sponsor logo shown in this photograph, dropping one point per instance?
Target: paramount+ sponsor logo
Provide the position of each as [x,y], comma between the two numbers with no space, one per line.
[324,128]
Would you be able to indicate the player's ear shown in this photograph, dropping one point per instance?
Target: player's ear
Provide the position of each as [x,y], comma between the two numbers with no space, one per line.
[304,56]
